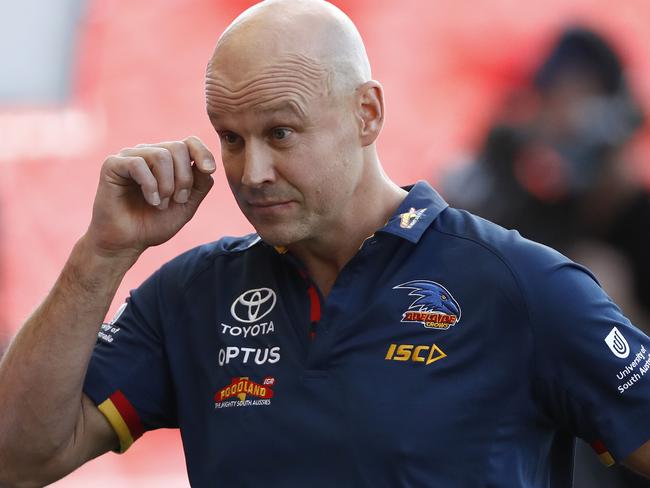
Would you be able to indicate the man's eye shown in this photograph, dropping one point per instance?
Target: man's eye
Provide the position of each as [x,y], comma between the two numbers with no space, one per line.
[230,138]
[280,133]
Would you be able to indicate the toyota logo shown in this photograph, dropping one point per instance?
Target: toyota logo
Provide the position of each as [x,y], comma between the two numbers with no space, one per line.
[252,305]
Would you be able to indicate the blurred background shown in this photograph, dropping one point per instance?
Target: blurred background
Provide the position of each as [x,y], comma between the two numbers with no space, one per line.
[531,114]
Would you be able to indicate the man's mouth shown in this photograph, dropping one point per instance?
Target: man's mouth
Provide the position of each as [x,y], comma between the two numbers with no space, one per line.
[268,203]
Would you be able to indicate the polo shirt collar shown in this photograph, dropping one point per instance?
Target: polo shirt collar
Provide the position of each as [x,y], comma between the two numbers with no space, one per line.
[419,209]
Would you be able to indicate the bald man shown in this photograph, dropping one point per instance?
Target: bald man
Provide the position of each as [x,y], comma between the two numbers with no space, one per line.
[365,335]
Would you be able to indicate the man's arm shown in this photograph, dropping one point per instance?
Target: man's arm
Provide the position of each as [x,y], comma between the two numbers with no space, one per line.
[48,427]
[639,460]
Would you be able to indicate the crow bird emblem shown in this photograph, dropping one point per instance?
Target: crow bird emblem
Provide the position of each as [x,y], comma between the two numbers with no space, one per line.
[432,298]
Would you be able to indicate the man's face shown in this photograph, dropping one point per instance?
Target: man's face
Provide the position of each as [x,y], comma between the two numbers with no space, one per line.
[290,148]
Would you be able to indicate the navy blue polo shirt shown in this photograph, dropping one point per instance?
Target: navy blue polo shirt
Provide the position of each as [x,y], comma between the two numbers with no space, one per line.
[449,352]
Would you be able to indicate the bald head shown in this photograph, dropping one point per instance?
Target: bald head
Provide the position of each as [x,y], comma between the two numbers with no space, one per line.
[289,93]
[311,43]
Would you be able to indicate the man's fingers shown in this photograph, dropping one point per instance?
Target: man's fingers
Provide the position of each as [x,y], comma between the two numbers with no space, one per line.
[202,184]
[136,168]
[200,154]
[183,176]
[161,163]
[165,170]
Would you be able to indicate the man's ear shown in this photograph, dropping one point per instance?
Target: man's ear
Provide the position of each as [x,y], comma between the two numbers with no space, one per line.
[370,111]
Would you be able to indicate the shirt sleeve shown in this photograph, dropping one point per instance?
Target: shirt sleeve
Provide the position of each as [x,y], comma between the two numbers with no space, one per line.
[128,377]
[592,365]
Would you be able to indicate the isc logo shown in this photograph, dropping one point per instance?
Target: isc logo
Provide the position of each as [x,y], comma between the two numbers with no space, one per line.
[416,353]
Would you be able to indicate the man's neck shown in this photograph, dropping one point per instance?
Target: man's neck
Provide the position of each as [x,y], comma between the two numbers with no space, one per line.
[325,257]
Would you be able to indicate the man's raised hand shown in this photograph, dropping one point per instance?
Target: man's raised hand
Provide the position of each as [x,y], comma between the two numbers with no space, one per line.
[147,193]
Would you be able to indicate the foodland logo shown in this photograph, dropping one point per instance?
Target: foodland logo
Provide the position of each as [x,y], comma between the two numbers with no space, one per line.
[617,344]
[243,388]
[252,305]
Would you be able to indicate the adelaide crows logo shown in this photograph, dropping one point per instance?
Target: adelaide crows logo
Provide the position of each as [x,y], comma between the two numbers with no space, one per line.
[435,307]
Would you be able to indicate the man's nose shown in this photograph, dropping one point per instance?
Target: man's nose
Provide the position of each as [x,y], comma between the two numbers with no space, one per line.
[258,165]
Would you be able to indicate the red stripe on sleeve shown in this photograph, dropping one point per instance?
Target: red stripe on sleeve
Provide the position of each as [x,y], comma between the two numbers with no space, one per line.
[128,413]
[598,446]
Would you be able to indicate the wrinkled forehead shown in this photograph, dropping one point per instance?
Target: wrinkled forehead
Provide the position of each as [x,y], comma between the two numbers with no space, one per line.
[234,83]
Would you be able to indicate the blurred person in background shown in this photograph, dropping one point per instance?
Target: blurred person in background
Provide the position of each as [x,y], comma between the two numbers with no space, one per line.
[554,167]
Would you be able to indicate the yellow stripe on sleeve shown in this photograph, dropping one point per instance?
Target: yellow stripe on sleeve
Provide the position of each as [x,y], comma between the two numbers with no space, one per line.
[607,459]
[117,422]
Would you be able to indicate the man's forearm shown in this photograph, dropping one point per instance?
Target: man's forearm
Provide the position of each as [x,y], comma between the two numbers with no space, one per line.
[42,373]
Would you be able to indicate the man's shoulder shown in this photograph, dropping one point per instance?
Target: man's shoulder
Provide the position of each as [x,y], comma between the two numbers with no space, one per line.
[507,245]
[496,258]
[193,263]
[484,245]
